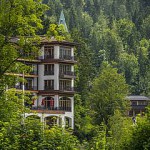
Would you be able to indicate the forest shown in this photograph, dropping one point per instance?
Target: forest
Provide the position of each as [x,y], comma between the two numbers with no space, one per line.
[113,54]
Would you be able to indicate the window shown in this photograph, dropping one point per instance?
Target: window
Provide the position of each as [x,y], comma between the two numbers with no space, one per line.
[29,84]
[49,69]
[65,68]
[49,84]
[134,103]
[48,102]
[65,53]
[48,52]
[65,85]
[141,102]
[65,103]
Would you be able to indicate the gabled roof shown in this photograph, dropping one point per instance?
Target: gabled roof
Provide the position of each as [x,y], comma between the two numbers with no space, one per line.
[138,97]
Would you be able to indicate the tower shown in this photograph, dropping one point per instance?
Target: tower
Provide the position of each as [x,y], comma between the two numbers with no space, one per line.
[62,20]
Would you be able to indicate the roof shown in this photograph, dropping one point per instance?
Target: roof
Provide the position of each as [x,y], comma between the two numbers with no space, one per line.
[62,20]
[47,40]
[52,40]
[138,97]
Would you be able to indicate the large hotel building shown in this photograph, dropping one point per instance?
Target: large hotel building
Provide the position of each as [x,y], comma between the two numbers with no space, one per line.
[51,82]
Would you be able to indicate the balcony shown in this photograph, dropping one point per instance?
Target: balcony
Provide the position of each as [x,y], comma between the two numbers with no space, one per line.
[67,74]
[69,89]
[31,88]
[48,56]
[68,109]
[47,88]
[45,57]
[34,72]
[49,72]
[28,56]
[51,59]
[67,57]
[138,106]
[64,90]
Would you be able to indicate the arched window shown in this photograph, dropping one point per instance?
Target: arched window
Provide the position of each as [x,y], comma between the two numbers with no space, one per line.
[65,104]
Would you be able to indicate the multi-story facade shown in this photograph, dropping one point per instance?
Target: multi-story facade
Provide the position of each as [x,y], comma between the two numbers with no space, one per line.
[51,83]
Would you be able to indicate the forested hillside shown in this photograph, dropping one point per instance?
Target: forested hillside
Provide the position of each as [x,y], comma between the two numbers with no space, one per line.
[116,31]
[113,54]
[113,37]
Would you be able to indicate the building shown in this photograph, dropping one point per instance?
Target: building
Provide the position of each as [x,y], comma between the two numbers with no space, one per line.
[138,104]
[51,82]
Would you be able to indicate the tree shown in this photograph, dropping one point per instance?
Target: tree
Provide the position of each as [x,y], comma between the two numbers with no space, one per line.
[59,32]
[119,130]
[18,132]
[125,30]
[140,137]
[19,19]
[107,94]
[143,77]
[128,65]
[98,141]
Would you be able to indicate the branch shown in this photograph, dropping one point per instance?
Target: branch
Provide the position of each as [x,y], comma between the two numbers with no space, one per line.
[3,72]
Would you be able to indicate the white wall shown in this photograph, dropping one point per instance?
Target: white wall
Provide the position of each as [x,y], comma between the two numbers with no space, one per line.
[43,77]
[56,52]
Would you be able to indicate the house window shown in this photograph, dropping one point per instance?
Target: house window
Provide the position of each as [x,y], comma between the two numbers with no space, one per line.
[65,85]
[29,84]
[48,52]
[134,103]
[141,102]
[48,102]
[65,68]
[65,103]
[65,53]
[49,84]
[49,69]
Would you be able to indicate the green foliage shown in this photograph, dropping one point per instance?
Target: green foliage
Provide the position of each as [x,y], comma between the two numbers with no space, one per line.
[107,94]
[19,17]
[17,132]
[119,131]
[140,137]
[58,31]
[83,122]
[19,20]
[59,139]
[128,64]
[112,27]
[98,142]
[116,31]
